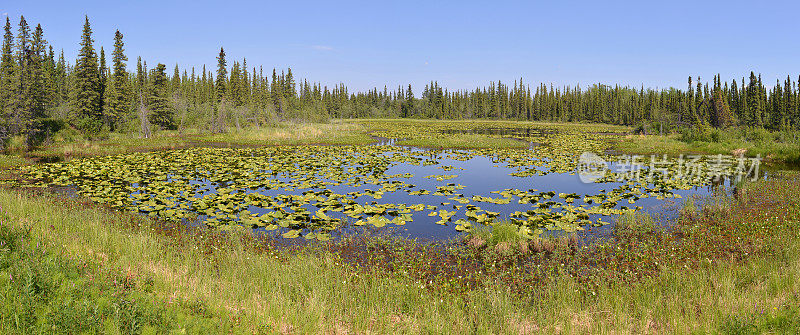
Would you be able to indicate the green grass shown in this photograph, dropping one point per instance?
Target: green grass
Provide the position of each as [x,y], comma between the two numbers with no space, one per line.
[440,133]
[589,127]
[7,161]
[772,150]
[67,147]
[230,283]
[46,292]
[500,237]
[465,141]
[294,134]
[116,143]
[421,133]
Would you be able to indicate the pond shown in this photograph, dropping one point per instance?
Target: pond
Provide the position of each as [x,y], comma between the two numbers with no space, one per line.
[316,192]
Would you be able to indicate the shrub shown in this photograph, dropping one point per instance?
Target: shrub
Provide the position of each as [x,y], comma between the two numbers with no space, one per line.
[700,133]
[756,135]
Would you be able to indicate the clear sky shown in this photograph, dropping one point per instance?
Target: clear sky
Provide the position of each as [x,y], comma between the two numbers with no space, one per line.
[461,44]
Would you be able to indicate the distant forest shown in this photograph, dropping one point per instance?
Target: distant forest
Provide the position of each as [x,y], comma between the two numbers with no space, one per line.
[42,93]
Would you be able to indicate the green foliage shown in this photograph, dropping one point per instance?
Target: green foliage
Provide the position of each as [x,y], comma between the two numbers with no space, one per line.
[755,135]
[701,133]
[7,84]
[222,75]
[43,292]
[86,95]
[784,321]
[118,94]
[634,224]
[161,112]
[500,232]
[7,161]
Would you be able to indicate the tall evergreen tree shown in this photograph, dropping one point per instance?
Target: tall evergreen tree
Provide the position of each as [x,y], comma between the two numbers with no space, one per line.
[222,75]
[175,83]
[35,94]
[161,113]
[7,84]
[20,101]
[86,95]
[62,86]
[118,97]
[103,80]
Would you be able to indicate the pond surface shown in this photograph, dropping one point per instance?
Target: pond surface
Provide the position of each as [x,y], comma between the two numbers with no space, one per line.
[317,191]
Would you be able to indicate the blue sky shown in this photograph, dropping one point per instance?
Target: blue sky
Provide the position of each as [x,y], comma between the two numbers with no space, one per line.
[461,44]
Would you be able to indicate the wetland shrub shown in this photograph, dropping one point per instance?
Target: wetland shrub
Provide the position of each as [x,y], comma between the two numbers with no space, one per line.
[701,133]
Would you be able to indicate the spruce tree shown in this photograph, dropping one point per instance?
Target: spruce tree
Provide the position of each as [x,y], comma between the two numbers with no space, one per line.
[50,74]
[222,75]
[7,85]
[62,86]
[233,86]
[289,85]
[103,81]
[161,113]
[118,93]
[276,91]
[175,83]
[35,94]
[86,95]
[22,75]
[140,75]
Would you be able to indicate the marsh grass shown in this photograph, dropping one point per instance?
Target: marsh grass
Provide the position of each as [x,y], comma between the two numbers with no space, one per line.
[465,141]
[67,144]
[294,134]
[68,147]
[428,133]
[7,161]
[501,237]
[779,147]
[114,143]
[45,292]
[637,223]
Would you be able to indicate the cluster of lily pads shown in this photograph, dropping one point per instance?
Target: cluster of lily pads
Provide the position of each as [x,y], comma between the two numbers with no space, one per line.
[303,190]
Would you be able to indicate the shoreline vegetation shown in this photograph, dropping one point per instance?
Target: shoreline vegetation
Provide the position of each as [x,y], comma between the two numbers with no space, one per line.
[728,264]
[778,148]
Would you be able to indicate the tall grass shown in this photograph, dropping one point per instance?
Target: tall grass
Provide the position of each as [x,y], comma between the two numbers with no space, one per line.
[779,146]
[7,161]
[465,141]
[294,134]
[66,147]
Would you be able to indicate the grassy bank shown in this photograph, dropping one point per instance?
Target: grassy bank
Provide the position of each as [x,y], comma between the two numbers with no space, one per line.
[7,161]
[773,147]
[466,141]
[444,134]
[731,265]
[61,147]
[420,133]
[336,133]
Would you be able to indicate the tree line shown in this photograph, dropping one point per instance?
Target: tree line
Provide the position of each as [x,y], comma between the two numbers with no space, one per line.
[41,93]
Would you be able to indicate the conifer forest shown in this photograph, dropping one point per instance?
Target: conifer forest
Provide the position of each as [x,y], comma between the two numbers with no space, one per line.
[154,196]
